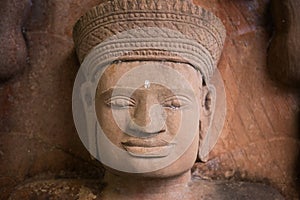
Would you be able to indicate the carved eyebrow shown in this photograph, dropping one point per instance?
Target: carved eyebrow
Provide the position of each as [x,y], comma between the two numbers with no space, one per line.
[183,92]
[122,90]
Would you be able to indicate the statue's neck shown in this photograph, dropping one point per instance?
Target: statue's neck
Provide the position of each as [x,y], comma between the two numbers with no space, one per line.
[131,187]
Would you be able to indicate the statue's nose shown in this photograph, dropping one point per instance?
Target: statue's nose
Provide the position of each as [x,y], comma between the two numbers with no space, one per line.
[148,120]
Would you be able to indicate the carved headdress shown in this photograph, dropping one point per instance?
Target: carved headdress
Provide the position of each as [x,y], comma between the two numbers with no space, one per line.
[173,30]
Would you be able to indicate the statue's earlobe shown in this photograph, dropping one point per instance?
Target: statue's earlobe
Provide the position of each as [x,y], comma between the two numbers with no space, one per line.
[88,104]
[86,96]
[209,100]
[207,109]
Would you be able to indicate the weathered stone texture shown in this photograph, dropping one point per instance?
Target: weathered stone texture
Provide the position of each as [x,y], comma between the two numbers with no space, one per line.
[260,140]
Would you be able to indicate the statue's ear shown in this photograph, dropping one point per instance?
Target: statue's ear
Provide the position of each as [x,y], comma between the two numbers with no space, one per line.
[86,96]
[207,108]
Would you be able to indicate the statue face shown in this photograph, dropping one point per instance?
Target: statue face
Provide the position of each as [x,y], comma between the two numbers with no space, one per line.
[150,112]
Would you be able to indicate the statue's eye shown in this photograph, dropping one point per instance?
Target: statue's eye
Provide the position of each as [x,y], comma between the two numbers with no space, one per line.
[176,102]
[120,102]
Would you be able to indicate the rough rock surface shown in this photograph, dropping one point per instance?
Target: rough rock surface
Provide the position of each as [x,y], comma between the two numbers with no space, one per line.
[284,51]
[13,51]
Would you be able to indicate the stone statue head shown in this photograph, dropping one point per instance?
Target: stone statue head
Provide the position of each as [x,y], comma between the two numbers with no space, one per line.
[142,100]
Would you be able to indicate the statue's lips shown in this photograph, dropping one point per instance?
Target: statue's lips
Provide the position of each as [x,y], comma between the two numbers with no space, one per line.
[148,148]
[145,143]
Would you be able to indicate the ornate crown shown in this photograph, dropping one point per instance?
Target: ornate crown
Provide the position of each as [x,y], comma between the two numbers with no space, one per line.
[173,30]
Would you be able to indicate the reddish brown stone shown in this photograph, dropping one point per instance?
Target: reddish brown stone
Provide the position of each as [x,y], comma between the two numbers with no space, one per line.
[13,51]
[284,53]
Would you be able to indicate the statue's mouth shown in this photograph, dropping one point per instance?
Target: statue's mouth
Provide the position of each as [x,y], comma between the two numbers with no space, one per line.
[148,148]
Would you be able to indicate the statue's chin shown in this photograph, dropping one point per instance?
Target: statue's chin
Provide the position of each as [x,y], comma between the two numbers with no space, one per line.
[162,173]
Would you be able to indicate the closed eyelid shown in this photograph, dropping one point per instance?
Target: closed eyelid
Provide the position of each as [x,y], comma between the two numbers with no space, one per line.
[176,102]
[177,97]
[116,98]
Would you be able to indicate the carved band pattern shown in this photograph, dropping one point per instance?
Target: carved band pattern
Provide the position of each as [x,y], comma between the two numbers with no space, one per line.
[116,16]
[186,51]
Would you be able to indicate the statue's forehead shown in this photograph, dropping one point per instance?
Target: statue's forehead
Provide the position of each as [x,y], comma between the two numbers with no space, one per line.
[170,72]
